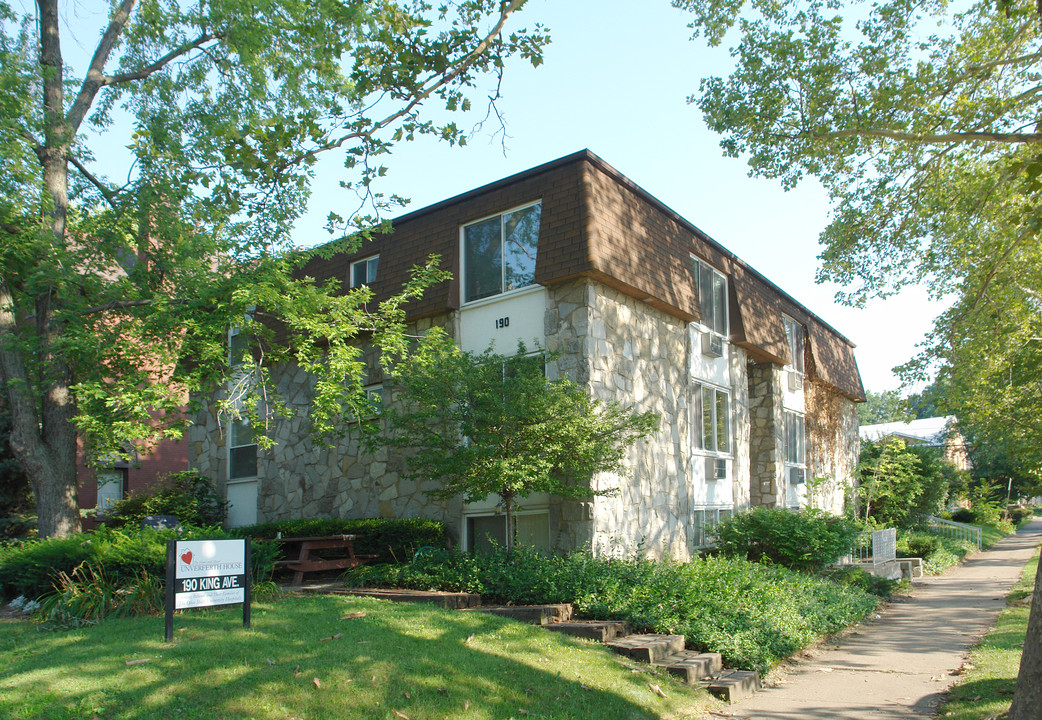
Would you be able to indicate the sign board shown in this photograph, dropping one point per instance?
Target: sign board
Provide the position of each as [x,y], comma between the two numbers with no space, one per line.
[205,573]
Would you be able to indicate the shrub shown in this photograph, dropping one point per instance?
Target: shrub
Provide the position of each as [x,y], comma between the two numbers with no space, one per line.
[752,614]
[937,551]
[804,540]
[392,540]
[189,496]
[1019,514]
[963,515]
[918,544]
[119,556]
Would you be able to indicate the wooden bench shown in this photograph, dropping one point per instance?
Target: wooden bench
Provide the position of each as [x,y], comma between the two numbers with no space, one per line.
[298,553]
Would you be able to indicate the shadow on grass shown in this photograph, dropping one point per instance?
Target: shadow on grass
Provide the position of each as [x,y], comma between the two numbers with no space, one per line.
[302,660]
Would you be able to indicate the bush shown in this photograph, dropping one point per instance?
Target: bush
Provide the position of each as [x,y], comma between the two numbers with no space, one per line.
[918,544]
[752,614]
[962,515]
[1019,514]
[937,551]
[392,540]
[804,540]
[189,496]
[118,556]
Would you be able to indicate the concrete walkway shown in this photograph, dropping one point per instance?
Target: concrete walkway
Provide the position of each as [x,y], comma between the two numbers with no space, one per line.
[900,662]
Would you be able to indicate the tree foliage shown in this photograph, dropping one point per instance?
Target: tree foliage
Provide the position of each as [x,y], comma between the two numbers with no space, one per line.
[490,424]
[882,407]
[920,121]
[897,482]
[118,282]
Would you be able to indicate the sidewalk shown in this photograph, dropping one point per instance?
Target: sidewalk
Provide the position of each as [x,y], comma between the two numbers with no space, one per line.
[900,662]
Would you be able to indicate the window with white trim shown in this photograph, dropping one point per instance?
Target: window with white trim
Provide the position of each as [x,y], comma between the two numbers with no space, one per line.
[238,341]
[712,426]
[703,525]
[795,439]
[242,450]
[794,335]
[363,272]
[712,296]
[499,253]
[375,398]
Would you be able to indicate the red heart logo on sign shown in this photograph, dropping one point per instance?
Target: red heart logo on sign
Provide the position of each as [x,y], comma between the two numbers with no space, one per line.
[187,557]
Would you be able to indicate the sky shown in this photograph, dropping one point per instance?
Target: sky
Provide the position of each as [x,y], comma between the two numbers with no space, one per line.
[615,80]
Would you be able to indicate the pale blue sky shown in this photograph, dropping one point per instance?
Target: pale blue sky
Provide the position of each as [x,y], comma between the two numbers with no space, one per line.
[615,80]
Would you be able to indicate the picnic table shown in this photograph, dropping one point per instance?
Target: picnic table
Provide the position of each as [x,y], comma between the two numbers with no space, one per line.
[297,551]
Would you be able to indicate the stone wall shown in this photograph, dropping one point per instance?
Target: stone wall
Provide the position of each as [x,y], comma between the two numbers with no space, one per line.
[766,435]
[637,356]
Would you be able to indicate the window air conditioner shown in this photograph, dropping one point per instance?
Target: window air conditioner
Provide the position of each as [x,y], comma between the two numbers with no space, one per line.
[795,381]
[716,469]
[797,476]
[712,345]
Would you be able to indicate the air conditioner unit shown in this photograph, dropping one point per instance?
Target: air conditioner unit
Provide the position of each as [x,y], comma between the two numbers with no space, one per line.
[716,469]
[795,381]
[712,345]
[797,476]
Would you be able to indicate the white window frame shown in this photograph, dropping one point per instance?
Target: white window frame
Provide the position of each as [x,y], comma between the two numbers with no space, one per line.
[703,520]
[370,265]
[376,398]
[796,338]
[713,308]
[235,359]
[799,457]
[698,439]
[236,426]
[464,270]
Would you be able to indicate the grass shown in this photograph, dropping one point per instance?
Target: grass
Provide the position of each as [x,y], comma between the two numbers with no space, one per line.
[303,659]
[986,690]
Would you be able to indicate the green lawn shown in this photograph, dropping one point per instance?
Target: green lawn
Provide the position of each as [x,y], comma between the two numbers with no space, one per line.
[303,659]
[986,689]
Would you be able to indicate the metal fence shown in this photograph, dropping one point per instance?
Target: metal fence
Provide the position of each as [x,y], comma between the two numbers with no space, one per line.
[875,547]
[956,530]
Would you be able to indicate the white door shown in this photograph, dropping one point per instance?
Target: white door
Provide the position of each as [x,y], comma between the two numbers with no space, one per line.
[242,503]
[110,488]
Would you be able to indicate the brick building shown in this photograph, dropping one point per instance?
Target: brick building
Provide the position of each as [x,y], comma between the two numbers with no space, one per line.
[757,395]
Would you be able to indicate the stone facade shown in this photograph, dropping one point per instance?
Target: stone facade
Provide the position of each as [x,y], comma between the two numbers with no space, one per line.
[766,433]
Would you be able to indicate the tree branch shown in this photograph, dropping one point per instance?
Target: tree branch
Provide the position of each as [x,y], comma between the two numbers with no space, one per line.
[124,304]
[506,10]
[105,192]
[161,62]
[926,138]
[95,73]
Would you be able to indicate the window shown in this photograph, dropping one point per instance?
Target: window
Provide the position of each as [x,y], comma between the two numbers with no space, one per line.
[712,431]
[112,486]
[484,532]
[238,340]
[794,336]
[242,451]
[499,253]
[795,439]
[712,296]
[375,396]
[363,271]
[703,525]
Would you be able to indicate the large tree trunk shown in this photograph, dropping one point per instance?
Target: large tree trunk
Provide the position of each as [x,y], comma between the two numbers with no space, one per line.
[1027,698]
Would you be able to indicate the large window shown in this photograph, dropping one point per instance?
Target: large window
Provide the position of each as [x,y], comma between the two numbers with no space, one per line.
[363,272]
[486,532]
[499,253]
[242,452]
[712,296]
[794,336]
[712,430]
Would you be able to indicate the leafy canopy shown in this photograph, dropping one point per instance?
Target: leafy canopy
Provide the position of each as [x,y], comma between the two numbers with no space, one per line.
[148,193]
[920,119]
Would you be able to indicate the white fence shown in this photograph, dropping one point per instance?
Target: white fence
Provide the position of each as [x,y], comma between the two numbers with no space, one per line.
[875,547]
[956,530]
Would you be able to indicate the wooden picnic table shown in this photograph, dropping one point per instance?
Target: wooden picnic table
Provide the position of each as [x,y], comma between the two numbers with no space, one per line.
[297,551]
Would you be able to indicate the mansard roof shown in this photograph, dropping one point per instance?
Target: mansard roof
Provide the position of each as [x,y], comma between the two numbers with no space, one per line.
[597,223]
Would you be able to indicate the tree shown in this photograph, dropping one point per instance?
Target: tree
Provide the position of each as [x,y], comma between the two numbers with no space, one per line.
[897,482]
[118,285]
[490,424]
[882,407]
[920,119]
